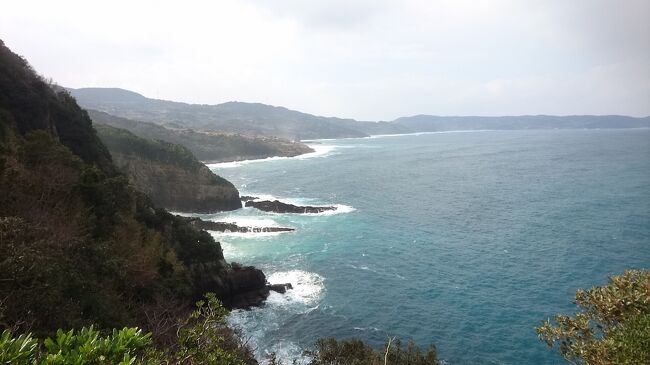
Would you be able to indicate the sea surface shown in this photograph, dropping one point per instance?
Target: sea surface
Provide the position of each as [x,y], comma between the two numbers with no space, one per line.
[465,240]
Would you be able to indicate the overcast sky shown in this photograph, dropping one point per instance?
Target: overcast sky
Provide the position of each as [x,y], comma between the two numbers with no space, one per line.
[369,60]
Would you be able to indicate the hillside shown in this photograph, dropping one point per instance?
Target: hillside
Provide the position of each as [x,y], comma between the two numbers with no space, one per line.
[264,120]
[79,245]
[210,147]
[168,173]
[251,119]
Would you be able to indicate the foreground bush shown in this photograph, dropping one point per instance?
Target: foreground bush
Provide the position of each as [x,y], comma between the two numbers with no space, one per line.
[202,339]
[356,352]
[612,327]
[88,346]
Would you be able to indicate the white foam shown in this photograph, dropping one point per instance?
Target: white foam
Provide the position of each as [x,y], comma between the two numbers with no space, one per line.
[252,235]
[250,221]
[258,323]
[319,151]
[307,289]
[294,201]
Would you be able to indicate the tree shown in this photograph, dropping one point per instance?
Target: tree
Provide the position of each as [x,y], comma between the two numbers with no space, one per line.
[612,327]
[356,352]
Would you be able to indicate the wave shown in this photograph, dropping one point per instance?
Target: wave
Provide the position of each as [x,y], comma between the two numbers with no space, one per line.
[260,323]
[250,221]
[319,151]
[375,136]
[307,289]
[217,235]
[340,209]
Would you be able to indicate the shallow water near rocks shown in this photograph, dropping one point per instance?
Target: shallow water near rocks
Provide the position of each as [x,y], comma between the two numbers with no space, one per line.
[464,240]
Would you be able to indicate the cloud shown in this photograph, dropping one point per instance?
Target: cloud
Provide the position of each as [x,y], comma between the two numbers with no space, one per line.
[365,59]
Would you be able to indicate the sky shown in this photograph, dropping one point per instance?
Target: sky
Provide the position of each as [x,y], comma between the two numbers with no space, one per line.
[365,59]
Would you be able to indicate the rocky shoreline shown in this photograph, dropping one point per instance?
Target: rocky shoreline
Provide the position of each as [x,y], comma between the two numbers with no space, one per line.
[244,287]
[232,227]
[247,287]
[277,206]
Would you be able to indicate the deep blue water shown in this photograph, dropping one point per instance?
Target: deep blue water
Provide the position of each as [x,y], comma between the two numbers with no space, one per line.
[464,240]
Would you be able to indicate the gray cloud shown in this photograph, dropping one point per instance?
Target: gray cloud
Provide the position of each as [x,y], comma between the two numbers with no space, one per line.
[364,59]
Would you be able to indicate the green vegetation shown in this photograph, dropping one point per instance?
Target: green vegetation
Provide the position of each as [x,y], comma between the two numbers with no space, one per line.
[202,339]
[355,352]
[79,246]
[214,147]
[88,346]
[124,142]
[612,327]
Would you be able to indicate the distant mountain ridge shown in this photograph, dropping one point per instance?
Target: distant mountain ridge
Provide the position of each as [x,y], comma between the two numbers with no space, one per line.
[251,119]
[255,119]
[430,123]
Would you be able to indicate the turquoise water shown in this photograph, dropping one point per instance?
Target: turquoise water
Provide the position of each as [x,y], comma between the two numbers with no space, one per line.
[466,240]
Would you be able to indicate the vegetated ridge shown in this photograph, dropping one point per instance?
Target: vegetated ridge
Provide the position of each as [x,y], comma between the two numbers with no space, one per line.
[78,244]
[207,146]
[265,120]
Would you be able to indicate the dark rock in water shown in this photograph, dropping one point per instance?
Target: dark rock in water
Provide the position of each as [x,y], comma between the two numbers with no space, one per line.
[280,288]
[277,206]
[246,287]
[242,287]
[231,227]
[246,198]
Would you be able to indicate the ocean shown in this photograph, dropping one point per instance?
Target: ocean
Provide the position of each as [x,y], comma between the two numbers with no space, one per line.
[464,240]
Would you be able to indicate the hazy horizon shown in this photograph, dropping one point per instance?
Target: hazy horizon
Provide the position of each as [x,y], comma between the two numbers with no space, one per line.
[366,60]
[336,116]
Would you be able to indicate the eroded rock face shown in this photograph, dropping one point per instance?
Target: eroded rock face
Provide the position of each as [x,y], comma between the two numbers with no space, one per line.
[277,206]
[179,189]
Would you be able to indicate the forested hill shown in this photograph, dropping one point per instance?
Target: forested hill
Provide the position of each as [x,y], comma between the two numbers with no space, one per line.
[206,146]
[233,117]
[78,244]
[265,120]
[251,119]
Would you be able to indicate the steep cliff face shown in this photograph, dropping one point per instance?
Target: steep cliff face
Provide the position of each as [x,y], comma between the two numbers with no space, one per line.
[168,173]
[78,244]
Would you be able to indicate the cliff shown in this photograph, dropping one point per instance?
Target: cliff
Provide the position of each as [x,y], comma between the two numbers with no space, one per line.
[168,173]
[78,244]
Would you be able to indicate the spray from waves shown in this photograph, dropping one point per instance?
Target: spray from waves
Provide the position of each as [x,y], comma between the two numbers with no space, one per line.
[260,324]
[319,151]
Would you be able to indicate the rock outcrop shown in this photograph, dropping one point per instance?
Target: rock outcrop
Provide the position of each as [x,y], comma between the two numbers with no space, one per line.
[232,227]
[241,287]
[277,206]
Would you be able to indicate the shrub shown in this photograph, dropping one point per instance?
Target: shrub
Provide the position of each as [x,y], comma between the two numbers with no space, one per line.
[123,347]
[356,352]
[612,327]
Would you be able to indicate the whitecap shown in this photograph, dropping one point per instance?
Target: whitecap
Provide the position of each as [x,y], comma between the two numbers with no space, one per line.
[258,323]
[338,209]
[319,151]
[250,221]
[307,289]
